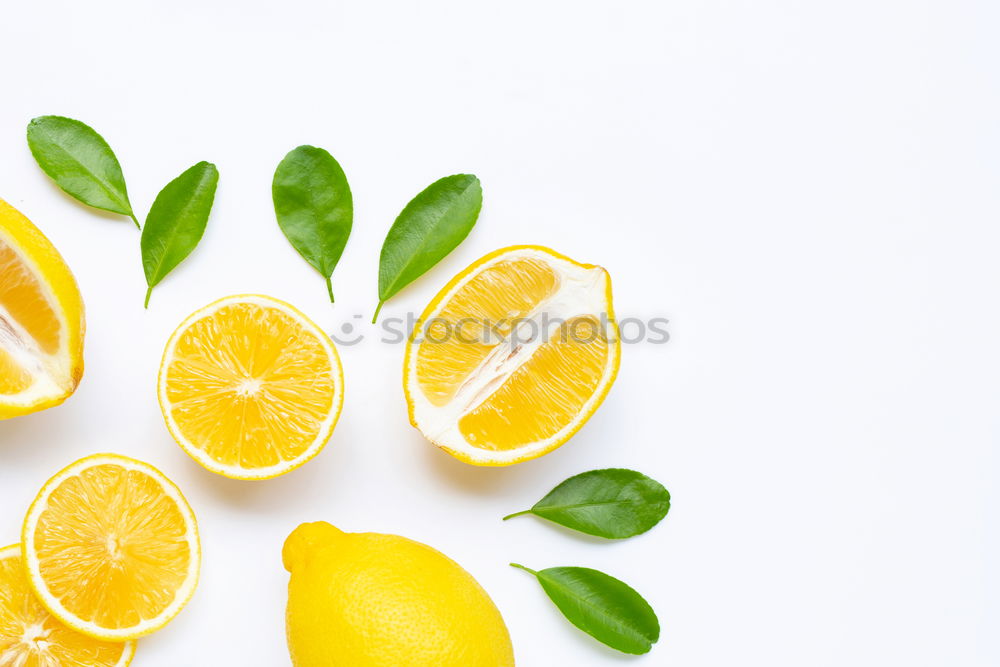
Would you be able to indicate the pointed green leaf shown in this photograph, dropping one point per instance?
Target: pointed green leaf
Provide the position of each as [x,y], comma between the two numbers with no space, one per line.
[313,204]
[176,221]
[607,609]
[429,228]
[81,162]
[613,503]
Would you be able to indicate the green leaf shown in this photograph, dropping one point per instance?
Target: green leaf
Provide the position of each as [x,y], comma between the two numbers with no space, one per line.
[605,608]
[176,221]
[613,503]
[429,228]
[81,162]
[313,204]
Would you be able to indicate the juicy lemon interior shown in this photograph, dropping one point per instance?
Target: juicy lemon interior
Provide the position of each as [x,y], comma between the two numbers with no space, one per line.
[467,338]
[13,377]
[112,546]
[31,637]
[22,297]
[250,386]
[457,337]
[29,327]
[545,393]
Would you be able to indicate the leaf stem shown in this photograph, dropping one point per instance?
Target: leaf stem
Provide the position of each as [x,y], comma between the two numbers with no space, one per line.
[135,220]
[329,287]
[526,569]
[149,292]
[377,311]
[511,516]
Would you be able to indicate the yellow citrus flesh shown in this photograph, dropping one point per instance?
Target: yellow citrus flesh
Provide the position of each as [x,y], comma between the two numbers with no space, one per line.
[41,320]
[14,378]
[500,293]
[512,356]
[572,367]
[31,637]
[250,388]
[111,547]
[26,302]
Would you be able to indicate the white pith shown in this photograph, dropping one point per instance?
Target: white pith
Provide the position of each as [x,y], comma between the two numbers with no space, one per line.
[14,551]
[581,291]
[51,372]
[55,607]
[239,472]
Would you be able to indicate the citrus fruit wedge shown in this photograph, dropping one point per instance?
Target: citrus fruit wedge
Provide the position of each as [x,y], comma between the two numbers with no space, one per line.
[111,547]
[41,320]
[31,637]
[250,387]
[513,356]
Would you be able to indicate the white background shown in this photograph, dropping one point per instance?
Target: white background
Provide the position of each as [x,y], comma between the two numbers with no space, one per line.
[809,191]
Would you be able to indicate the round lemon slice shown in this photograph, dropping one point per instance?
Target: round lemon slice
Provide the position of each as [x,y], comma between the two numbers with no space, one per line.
[250,387]
[31,637]
[111,547]
[41,320]
[513,356]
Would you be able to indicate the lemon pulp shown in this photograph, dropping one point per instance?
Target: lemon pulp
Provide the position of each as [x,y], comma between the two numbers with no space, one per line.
[31,637]
[250,387]
[512,356]
[41,320]
[111,547]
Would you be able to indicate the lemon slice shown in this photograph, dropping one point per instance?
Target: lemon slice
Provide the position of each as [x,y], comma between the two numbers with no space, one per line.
[250,387]
[111,547]
[41,320]
[31,637]
[513,356]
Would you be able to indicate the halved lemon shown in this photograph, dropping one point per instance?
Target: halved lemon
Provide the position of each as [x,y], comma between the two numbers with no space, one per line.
[41,320]
[31,637]
[111,547]
[250,387]
[513,356]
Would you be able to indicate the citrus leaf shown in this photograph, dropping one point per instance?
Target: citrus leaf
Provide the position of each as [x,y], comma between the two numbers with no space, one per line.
[613,503]
[313,204]
[607,609]
[176,221]
[81,162]
[428,228]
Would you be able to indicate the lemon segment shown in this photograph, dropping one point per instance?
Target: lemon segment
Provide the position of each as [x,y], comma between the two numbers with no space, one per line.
[250,387]
[524,409]
[111,548]
[31,637]
[41,320]
[513,356]
[14,378]
[500,294]
[26,301]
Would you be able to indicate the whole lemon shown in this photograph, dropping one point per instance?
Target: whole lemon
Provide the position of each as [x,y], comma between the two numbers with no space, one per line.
[372,600]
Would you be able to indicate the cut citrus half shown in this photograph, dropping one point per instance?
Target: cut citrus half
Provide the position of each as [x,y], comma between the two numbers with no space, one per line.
[250,387]
[41,320]
[111,547]
[31,637]
[513,356]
